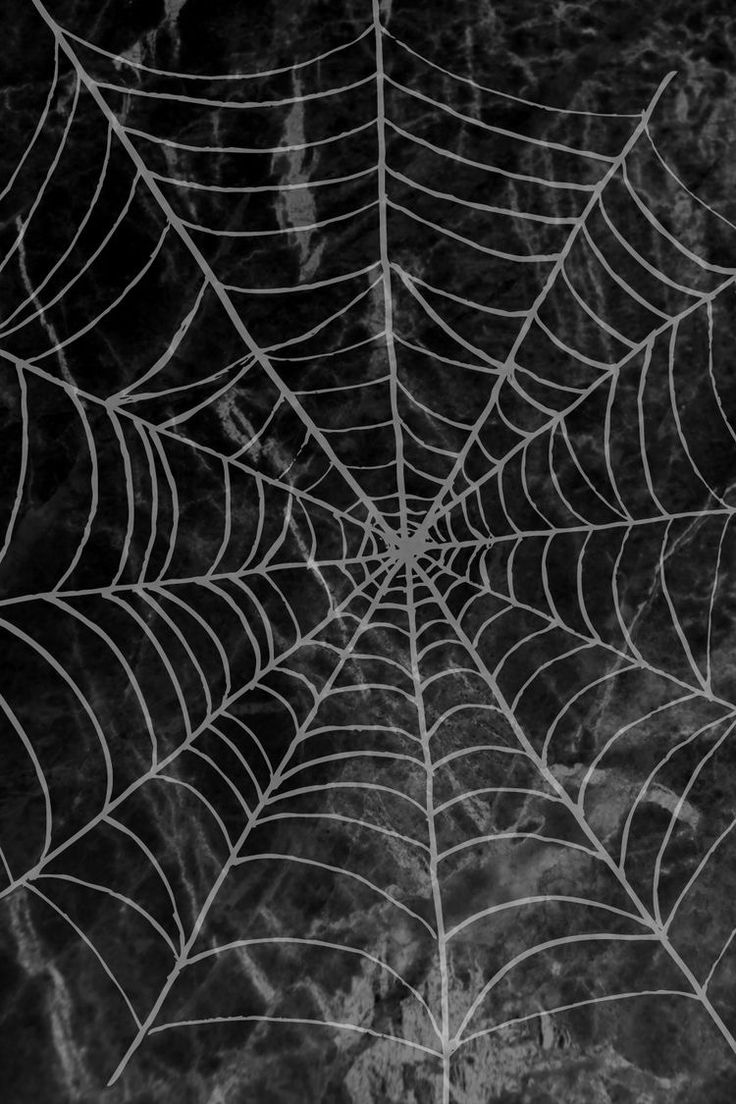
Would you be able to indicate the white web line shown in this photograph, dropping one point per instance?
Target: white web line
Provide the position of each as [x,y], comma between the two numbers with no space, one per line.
[157,432]
[496,467]
[385,261]
[185,237]
[121,59]
[159,765]
[593,639]
[533,314]
[434,855]
[658,930]
[238,844]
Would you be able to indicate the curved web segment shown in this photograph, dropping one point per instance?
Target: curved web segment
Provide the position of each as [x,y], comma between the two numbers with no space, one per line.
[382,574]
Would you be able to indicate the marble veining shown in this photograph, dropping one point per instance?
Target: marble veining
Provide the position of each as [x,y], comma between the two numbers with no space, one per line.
[366,559]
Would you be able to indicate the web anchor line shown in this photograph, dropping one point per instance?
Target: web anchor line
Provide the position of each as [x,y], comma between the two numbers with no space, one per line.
[388,297]
[432,831]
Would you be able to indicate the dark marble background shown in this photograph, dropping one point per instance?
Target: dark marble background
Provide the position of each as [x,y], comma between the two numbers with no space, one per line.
[204,606]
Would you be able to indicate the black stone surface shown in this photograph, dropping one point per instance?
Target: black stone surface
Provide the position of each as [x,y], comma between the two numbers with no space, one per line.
[366,572]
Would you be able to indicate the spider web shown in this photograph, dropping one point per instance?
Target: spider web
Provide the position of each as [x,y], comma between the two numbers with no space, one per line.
[454,496]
